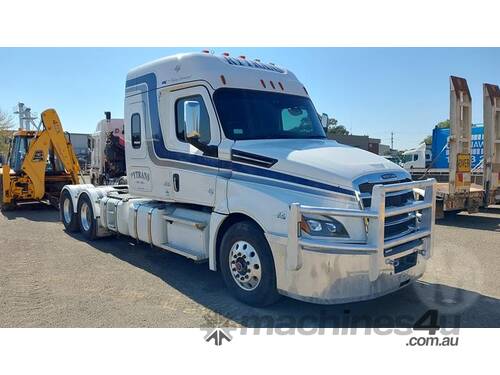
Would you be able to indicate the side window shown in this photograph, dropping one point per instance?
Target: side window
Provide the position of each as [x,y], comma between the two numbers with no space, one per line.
[135,125]
[180,126]
[415,157]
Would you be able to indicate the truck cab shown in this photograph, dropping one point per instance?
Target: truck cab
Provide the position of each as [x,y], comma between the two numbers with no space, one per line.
[227,162]
[107,152]
[416,158]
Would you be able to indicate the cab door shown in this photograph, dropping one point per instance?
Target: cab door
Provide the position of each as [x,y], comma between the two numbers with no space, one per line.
[135,135]
[139,173]
[194,175]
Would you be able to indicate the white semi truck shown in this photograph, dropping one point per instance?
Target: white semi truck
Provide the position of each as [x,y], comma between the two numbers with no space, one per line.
[107,152]
[416,158]
[227,162]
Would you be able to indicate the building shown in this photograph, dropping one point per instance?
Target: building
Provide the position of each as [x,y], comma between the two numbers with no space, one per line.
[384,149]
[360,141]
[80,143]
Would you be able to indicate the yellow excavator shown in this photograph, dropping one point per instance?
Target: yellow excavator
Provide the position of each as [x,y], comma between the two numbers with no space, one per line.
[39,164]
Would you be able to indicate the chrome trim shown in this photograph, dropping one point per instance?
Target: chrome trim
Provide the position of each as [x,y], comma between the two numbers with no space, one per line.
[418,205]
[325,211]
[375,243]
[392,194]
[411,216]
[150,236]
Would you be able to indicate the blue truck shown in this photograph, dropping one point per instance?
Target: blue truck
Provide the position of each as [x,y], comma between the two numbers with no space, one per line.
[440,150]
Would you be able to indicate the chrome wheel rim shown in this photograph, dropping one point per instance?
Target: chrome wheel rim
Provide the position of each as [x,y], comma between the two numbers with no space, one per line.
[85,216]
[67,211]
[244,265]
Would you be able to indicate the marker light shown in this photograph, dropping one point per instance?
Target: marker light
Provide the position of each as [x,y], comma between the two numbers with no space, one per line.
[242,57]
[223,79]
[272,84]
[263,83]
[205,51]
[281,86]
[226,54]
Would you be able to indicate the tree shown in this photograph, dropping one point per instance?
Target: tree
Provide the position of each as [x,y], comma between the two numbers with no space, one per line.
[332,122]
[428,140]
[334,128]
[443,124]
[5,132]
[337,130]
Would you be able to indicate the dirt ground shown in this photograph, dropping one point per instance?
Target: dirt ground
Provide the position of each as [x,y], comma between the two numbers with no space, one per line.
[49,278]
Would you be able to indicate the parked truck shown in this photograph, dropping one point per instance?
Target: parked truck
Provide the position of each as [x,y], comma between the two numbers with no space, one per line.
[228,163]
[417,158]
[107,152]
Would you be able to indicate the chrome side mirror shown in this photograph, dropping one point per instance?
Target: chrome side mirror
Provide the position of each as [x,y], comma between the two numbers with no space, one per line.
[192,119]
[324,121]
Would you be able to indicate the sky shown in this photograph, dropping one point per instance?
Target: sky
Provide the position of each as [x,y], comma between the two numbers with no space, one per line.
[371,91]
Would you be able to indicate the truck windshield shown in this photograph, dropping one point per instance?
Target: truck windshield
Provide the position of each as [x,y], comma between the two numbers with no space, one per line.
[249,114]
[406,158]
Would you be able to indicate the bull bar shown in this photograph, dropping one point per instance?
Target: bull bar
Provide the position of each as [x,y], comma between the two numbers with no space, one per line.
[375,245]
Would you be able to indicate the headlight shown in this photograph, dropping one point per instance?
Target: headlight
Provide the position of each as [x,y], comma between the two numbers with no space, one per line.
[323,226]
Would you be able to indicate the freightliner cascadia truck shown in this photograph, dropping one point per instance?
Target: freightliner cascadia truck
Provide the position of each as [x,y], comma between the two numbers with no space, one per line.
[227,162]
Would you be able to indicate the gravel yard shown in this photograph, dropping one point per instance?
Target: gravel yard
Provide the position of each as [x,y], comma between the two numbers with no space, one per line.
[49,278]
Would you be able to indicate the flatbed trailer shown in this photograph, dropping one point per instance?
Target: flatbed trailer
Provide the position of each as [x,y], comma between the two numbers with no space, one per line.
[447,202]
[469,201]
[459,188]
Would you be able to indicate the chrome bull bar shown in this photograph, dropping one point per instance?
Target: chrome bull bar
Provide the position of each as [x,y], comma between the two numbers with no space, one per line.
[375,244]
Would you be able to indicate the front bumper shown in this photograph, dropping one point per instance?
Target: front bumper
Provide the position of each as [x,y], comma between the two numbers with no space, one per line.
[327,271]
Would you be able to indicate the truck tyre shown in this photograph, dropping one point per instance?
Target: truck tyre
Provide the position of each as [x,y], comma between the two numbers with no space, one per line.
[86,221]
[247,265]
[68,215]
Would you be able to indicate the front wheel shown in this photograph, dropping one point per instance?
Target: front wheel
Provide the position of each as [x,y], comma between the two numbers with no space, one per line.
[88,225]
[247,265]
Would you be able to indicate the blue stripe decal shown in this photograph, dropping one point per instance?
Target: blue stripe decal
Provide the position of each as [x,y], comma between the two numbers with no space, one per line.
[242,168]
[162,152]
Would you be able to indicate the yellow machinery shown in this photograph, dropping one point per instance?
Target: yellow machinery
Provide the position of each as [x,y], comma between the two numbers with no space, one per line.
[40,163]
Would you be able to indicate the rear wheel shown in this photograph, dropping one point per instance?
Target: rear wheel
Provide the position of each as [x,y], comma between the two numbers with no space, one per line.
[247,265]
[86,221]
[68,215]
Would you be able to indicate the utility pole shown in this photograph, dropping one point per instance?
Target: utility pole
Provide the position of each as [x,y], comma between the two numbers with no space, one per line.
[392,140]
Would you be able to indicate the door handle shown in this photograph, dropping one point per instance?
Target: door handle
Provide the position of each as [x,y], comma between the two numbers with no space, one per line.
[176,182]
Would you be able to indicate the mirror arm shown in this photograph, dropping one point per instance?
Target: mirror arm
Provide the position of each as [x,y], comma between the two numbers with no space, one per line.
[208,150]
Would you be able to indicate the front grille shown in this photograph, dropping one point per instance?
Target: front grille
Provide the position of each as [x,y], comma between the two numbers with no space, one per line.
[398,225]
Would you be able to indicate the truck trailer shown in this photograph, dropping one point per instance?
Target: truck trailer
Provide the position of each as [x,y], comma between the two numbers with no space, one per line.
[228,163]
[465,156]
